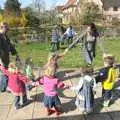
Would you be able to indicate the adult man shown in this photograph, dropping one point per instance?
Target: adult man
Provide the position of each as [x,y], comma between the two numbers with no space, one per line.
[5,45]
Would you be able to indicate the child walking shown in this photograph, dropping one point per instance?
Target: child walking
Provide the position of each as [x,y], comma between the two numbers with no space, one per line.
[85,90]
[16,84]
[55,39]
[50,85]
[107,76]
[29,72]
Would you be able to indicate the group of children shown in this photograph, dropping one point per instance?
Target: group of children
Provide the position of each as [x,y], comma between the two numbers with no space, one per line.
[17,82]
[59,35]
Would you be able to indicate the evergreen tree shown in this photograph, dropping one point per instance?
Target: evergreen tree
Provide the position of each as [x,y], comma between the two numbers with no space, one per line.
[12,6]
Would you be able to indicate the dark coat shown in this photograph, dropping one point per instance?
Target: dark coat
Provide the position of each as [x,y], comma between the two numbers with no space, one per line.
[5,48]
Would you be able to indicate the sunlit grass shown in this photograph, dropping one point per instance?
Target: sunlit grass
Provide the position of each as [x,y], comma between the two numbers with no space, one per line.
[73,59]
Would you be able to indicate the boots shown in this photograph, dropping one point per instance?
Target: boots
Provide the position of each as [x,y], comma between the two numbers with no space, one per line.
[57,110]
[49,111]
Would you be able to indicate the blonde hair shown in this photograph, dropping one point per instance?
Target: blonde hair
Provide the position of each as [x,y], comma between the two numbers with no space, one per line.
[49,71]
[12,68]
[52,56]
[109,59]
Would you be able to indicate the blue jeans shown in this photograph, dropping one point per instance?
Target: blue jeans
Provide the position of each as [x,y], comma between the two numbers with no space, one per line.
[17,100]
[107,94]
[54,46]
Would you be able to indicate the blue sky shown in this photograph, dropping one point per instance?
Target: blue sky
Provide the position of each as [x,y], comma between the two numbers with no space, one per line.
[49,3]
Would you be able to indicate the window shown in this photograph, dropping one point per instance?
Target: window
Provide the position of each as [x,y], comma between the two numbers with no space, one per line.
[115,8]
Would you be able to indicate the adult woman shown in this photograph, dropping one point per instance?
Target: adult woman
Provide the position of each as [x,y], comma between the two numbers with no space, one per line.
[88,39]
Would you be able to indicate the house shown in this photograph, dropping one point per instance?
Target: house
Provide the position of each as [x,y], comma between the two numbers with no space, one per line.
[110,8]
[69,11]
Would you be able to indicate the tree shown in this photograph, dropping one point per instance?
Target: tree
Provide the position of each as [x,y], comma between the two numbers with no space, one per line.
[12,6]
[39,5]
[90,12]
[32,20]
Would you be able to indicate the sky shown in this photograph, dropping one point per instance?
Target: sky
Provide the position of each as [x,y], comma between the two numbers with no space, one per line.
[48,3]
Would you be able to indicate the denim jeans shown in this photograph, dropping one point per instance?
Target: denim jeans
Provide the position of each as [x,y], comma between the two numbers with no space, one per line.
[17,100]
[107,94]
[70,40]
[54,46]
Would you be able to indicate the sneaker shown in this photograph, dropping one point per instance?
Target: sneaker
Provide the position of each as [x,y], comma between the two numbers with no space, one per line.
[18,107]
[25,104]
[106,103]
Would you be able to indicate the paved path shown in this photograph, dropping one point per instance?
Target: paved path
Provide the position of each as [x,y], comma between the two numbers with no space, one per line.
[35,110]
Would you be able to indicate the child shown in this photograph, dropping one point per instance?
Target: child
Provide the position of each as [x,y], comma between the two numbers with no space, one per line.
[55,39]
[53,60]
[84,90]
[16,84]
[107,76]
[29,71]
[70,33]
[50,84]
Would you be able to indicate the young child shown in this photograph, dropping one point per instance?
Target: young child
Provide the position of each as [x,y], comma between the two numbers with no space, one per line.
[107,76]
[55,39]
[84,90]
[16,84]
[29,72]
[50,84]
[53,60]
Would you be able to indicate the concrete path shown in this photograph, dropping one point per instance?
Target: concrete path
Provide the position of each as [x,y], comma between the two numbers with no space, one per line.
[35,110]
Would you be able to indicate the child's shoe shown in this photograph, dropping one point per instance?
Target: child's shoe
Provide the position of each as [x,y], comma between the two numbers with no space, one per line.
[26,103]
[106,103]
[18,107]
[57,110]
[49,111]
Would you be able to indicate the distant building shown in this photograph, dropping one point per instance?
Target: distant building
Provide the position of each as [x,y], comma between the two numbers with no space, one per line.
[110,8]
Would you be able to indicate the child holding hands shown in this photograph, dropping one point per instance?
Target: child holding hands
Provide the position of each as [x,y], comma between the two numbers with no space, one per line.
[50,84]
[16,84]
[85,90]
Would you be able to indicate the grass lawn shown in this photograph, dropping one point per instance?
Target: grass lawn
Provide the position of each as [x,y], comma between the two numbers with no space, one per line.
[73,59]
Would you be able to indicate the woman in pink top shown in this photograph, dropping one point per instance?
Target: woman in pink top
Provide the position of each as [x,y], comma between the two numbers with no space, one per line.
[50,84]
[16,84]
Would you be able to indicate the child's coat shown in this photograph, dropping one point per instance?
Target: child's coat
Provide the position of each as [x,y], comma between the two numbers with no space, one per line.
[84,90]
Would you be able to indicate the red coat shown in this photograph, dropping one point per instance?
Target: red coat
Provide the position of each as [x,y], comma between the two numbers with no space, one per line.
[16,82]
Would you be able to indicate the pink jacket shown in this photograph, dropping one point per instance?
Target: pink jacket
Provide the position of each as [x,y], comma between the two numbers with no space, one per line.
[50,85]
[16,82]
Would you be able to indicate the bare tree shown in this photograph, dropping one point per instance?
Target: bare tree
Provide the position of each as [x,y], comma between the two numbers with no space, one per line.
[39,5]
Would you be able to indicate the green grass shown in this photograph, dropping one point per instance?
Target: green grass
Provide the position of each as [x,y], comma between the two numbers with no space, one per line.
[73,59]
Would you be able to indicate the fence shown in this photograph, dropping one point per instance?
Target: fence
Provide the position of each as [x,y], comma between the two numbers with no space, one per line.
[43,34]
[30,34]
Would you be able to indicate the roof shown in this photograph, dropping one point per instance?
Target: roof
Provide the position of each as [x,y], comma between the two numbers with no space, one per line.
[110,3]
[59,9]
[70,3]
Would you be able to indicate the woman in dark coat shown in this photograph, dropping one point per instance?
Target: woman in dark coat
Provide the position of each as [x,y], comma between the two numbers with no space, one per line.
[5,45]
[88,39]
